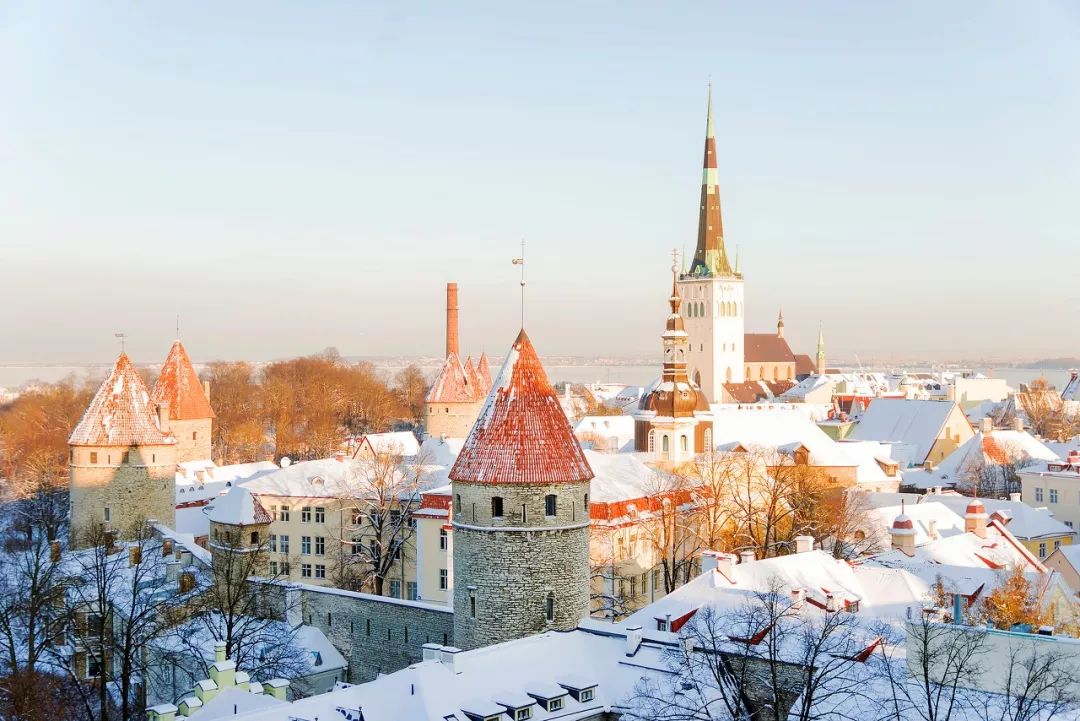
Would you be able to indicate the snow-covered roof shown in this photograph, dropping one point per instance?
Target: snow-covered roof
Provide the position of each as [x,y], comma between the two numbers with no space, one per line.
[401,443]
[331,478]
[475,681]
[806,386]
[915,422]
[522,434]
[238,507]
[998,447]
[606,433]
[1071,392]
[776,429]
[122,413]
[618,477]
[948,509]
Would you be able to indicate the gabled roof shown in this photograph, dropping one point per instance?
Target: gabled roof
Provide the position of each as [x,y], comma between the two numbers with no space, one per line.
[915,422]
[522,434]
[999,447]
[179,386]
[766,348]
[804,364]
[755,391]
[121,413]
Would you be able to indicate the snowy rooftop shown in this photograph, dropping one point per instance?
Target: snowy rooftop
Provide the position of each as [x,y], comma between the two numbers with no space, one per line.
[948,509]
[238,507]
[122,413]
[996,448]
[331,478]
[916,422]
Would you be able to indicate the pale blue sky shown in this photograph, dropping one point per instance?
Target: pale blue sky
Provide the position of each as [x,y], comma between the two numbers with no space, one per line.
[290,176]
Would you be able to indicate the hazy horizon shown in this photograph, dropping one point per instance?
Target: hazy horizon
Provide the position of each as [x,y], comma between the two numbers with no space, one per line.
[287,178]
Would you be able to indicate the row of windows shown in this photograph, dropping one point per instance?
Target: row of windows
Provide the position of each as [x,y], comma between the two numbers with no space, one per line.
[1039,495]
[282,513]
[724,309]
[279,543]
[498,510]
[1042,548]
[125,457]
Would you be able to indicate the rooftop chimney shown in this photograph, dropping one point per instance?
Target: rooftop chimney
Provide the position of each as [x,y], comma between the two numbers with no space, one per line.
[633,640]
[746,556]
[932,528]
[987,425]
[804,544]
[975,518]
[708,561]
[1018,424]
[219,651]
[451,319]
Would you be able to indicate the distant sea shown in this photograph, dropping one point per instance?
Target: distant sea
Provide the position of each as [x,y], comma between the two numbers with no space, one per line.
[15,376]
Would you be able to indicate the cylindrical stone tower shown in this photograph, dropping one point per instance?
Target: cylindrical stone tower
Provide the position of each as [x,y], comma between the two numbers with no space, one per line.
[520,512]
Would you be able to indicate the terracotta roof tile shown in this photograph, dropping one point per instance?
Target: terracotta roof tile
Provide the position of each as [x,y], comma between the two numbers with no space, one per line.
[454,384]
[484,371]
[121,413]
[804,365]
[754,391]
[521,434]
[766,348]
[179,386]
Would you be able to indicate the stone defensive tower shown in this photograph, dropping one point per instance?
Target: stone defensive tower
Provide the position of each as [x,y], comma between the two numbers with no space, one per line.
[190,415]
[122,458]
[520,512]
[458,392]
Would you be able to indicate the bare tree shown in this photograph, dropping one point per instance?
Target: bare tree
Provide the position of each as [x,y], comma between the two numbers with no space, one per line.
[31,603]
[995,477]
[1038,685]
[605,597]
[379,496]
[118,600]
[667,527]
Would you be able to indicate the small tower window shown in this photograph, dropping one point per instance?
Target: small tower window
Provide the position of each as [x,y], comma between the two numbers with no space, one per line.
[496,506]
[472,604]
[549,504]
[194,435]
[108,514]
[683,445]
[457,503]
[549,607]
[126,457]
[93,456]
[524,513]
[254,538]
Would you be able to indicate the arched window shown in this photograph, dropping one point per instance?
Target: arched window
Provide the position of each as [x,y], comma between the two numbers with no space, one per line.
[776,373]
[496,506]
[734,308]
[789,372]
[747,374]
[549,607]
[665,444]
[761,373]
[549,504]
[254,538]
[728,374]
[457,503]
[683,444]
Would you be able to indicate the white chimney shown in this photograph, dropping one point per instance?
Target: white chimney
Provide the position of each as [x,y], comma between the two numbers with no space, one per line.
[987,425]
[746,556]
[1018,424]
[932,528]
[798,597]
[448,656]
[804,544]
[830,602]
[725,563]
[1014,497]
[431,651]
[633,640]
[709,561]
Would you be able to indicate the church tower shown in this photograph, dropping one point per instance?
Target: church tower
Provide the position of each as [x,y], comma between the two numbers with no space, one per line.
[820,360]
[712,291]
[190,415]
[673,422]
[122,458]
[520,512]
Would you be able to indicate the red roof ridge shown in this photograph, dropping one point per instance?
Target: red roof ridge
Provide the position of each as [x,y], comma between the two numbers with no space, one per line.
[179,386]
[521,434]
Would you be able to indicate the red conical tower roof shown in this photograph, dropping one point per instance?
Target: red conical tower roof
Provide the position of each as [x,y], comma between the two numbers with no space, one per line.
[484,371]
[521,434]
[453,384]
[121,414]
[179,386]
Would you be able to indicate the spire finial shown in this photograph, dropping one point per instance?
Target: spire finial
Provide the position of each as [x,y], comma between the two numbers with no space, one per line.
[123,341]
[708,114]
[521,261]
[178,327]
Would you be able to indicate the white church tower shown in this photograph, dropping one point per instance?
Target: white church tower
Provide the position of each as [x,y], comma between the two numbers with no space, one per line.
[712,291]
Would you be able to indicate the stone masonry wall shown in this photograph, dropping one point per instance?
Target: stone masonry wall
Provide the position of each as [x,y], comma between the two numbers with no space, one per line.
[374,633]
[188,448]
[453,420]
[138,490]
[507,566]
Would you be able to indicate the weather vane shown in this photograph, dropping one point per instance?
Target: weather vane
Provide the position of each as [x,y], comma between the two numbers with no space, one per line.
[521,261]
[123,340]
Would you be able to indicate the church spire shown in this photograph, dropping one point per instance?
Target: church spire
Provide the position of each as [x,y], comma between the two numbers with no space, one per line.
[710,257]
[780,325]
[820,351]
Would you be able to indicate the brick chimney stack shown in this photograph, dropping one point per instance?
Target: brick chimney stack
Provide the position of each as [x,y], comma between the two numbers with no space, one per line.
[451,319]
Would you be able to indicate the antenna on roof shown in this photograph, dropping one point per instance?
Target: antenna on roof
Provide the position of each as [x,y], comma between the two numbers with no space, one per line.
[178,327]
[521,261]
[123,340]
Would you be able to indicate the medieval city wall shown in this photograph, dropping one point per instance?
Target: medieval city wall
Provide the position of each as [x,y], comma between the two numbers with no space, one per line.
[192,439]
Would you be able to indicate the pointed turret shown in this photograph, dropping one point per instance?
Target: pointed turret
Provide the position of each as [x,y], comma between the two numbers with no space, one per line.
[710,256]
[190,414]
[179,386]
[483,369]
[522,434]
[122,413]
[780,324]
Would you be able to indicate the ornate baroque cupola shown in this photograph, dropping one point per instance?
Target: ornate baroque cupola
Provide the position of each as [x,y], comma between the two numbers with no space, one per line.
[674,420]
[710,256]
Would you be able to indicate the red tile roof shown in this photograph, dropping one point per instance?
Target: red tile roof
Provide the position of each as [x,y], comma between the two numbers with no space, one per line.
[179,386]
[804,365]
[754,391]
[453,384]
[121,413]
[484,371]
[521,434]
[766,348]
